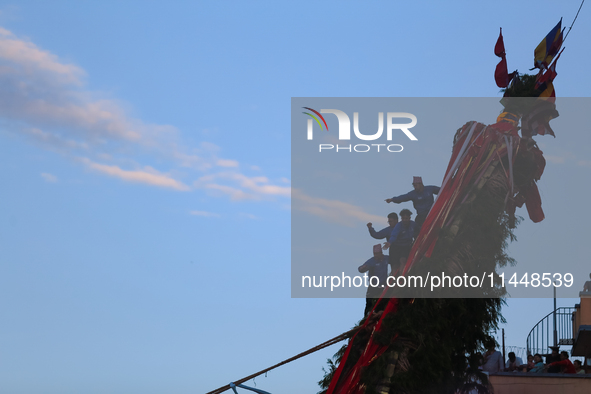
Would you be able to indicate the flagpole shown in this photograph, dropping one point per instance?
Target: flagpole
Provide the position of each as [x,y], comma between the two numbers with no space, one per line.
[556,57]
[571,26]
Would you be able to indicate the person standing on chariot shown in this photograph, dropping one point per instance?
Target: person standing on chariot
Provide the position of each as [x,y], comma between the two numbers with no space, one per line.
[422,199]
[378,268]
[385,232]
[400,242]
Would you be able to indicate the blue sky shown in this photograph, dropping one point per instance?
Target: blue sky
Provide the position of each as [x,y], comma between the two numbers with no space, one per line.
[145,170]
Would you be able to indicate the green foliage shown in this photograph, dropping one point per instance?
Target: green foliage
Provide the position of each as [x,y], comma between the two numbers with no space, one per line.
[325,381]
[361,337]
[447,336]
[441,340]
[518,96]
[523,85]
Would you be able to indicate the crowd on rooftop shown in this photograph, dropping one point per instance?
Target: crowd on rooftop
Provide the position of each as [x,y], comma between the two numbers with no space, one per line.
[492,362]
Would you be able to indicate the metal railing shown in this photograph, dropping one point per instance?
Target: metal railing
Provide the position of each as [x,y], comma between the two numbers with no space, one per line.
[541,335]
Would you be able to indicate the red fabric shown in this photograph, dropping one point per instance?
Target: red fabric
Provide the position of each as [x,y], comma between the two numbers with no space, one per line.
[506,128]
[533,203]
[547,76]
[477,159]
[540,163]
[502,74]
[567,366]
[350,383]
[500,45]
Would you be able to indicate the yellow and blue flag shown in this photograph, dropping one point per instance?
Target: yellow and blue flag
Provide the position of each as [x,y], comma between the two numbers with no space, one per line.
[549,47]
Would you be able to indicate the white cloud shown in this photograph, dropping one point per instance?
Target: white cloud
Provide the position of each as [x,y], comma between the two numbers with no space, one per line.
[205,214]
[147,176]
[45,99]
[234,193]
[53,140]
[49,177]
[31,59]
[227,163]
[191,161]
[333,211]
[243,187]
[43,94]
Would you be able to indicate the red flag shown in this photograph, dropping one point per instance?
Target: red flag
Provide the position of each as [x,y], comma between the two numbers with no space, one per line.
[502,76]
[549,74]
[533,202]
[500,45]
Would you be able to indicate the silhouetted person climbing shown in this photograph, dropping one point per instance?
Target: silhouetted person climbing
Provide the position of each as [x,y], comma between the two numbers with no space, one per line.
[422,199]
